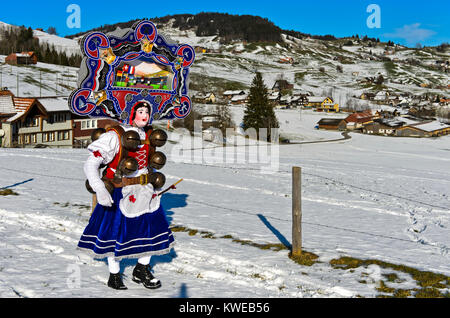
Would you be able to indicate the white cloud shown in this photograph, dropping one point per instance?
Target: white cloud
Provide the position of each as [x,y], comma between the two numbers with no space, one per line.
[412,33]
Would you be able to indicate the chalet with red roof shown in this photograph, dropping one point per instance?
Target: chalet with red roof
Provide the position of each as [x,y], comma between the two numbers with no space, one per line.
[359,119]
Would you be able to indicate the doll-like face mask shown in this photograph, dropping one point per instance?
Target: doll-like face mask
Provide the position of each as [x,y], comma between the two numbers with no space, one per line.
[141,118]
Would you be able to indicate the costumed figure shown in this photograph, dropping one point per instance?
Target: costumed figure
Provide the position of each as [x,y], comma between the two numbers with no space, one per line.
[128,221]
[132,76]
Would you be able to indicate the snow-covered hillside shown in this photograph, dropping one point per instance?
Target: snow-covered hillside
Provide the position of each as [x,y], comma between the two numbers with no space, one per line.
[315,64]
[366,197]
[315,68]
[41,79]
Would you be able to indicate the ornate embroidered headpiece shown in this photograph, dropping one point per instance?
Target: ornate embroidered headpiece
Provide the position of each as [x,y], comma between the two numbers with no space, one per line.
[128,66]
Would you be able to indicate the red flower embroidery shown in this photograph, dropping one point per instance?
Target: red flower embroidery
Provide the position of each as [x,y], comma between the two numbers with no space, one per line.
[97,154]
[132,199]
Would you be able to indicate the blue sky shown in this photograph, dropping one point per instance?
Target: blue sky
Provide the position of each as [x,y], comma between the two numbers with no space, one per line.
[407,22]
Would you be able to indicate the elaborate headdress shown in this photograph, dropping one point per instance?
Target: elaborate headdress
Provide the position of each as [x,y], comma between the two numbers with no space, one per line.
[129,66]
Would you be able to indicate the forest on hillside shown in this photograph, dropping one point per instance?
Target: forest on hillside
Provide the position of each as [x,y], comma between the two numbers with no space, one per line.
[227,26]
[16,40]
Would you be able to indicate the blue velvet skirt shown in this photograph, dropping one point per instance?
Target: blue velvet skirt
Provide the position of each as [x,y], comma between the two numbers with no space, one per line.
[110,233]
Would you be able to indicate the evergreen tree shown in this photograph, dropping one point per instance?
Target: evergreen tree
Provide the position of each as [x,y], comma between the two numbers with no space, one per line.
[259,112]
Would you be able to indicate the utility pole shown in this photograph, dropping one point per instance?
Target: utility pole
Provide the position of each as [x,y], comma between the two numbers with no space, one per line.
[17,88]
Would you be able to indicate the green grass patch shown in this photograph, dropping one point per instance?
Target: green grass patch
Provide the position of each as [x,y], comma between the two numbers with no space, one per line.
[210,235]
[6,192]
[201,82]
[305,258]
[390,67]
[300,76]
[431,284]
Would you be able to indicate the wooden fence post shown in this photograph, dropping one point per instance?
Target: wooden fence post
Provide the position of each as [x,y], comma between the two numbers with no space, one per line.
[296,211]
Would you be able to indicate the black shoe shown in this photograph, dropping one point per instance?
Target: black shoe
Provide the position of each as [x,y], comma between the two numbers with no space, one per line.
[115,281]
[142,274]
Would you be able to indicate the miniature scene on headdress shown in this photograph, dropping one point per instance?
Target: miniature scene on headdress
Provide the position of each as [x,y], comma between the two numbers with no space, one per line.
[129,66]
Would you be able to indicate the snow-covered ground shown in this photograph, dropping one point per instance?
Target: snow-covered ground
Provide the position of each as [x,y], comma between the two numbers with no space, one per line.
[369,197]
[41,79]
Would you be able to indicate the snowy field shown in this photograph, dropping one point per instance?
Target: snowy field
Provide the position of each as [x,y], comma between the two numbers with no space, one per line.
[367,197]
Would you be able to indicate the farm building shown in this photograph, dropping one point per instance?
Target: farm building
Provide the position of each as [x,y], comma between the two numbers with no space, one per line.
[230,94]
[239,99]
[281,85]
[21,58]
[427,129]
[208,98]
[359,119]
[332,124]
[383,127]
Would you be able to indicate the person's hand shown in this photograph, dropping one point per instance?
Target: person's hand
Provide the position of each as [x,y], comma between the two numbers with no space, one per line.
[103,197]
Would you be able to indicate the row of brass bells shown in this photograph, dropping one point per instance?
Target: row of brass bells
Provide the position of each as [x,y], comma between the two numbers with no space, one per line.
[158,138]
[131,140]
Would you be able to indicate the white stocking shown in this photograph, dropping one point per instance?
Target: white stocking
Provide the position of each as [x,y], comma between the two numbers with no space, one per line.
[144,260]
[114,266]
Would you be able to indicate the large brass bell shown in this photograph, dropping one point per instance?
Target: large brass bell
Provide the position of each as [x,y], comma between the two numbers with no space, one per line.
[97,133]
[158,138]
[128,166]
[108,185]
[157,160]
[157,179]
[131,140]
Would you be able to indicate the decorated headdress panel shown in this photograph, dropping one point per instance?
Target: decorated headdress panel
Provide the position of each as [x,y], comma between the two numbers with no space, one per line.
[128,66]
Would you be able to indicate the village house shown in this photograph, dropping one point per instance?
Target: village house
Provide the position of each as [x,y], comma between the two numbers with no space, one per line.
[382,97]
[239,99]
[425,129]
[23,58]
[332,124]
[45,122]
[296,100]
[444,101]
[386,114]
[321,103]
[381,126]
[285,100]
[286,60]
[274,98]
[359,119]
[282,84]
[367,96]
[200,49]
[208,98]
[230,93]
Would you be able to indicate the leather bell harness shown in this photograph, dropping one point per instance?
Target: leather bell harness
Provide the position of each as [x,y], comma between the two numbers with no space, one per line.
[121,155]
